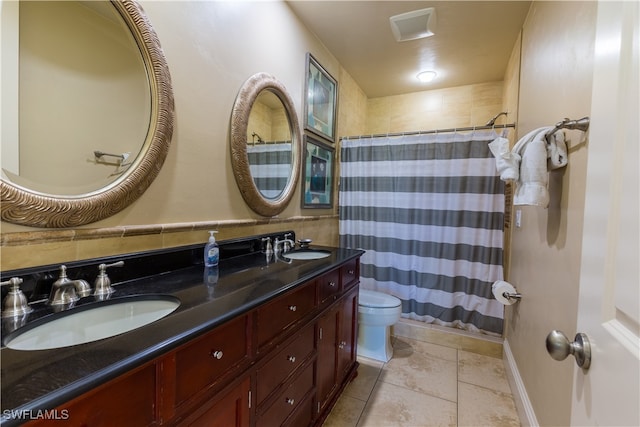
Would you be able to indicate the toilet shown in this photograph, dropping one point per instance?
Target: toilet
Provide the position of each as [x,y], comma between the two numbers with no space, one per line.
[376,313]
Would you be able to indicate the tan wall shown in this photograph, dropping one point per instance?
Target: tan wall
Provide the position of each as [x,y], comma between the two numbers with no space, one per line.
[462,106]
[211,49]
[555,82]
[511,91]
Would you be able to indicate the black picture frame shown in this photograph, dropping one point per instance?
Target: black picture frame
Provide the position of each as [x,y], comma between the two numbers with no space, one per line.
[321,101]
[318,174]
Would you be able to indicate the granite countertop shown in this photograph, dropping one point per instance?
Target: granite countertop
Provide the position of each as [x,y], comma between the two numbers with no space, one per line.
[44,379]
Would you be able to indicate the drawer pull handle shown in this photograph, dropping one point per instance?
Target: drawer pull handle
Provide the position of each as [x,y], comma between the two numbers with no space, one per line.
[332,284]
[293,308]
[351,272]
[342,344]
[290,401]
[291,359]
[216,354]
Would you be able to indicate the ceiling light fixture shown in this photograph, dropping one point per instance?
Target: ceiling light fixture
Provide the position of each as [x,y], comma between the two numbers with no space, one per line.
[426,76]
[413,25]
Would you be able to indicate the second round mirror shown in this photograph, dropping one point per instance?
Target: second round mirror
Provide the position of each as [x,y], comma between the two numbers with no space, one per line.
[265,144]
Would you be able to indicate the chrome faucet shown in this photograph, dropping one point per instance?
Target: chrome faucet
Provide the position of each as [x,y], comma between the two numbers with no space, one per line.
[66,291]
[287,244]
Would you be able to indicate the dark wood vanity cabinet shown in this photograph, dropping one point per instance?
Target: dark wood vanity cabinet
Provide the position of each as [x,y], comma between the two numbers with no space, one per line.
[127,400]
[337,339]
[283,363]
[229,409]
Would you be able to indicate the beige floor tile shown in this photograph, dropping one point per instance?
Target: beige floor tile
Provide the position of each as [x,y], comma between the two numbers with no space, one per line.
[395,406]
[362,385]
[479,406]
[484,371]
[403,347]
[418,366]
[345,413]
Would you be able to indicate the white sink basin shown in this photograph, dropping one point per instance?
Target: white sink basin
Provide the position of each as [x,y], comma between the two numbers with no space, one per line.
[96,322]
[307,254]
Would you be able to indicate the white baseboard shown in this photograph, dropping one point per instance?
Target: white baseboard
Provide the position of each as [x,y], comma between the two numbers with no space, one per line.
[519,392]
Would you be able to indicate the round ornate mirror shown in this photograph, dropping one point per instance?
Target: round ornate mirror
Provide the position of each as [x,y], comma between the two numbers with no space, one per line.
[96,113]
[265,144]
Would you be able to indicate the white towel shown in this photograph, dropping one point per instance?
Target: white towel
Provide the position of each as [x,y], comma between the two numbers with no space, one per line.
[531,188]
[507,163]
[557,151]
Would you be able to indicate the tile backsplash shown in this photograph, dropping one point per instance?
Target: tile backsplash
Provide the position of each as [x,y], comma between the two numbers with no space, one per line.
[30,249]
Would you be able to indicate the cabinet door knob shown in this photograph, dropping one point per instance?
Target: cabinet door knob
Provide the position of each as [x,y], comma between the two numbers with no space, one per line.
[290,401]
[217,354]
[342,344]
[351,272]
[332,284]
[293,308]
[291,359]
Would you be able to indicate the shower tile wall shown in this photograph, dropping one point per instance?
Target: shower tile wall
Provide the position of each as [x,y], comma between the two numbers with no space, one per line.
[462,106]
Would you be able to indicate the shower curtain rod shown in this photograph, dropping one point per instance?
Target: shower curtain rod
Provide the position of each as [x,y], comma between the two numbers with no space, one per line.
[424,132]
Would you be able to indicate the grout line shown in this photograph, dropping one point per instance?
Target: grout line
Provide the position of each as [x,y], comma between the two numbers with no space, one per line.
[457,387]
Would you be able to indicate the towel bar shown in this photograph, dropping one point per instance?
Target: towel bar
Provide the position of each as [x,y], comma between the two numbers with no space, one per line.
[580,124]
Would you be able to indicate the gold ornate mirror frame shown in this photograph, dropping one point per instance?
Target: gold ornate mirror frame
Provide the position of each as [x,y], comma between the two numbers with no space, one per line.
[239,157]
[26,207]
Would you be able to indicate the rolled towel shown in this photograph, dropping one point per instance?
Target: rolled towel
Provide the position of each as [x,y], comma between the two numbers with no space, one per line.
[557,151]
[507,163]
[531,188]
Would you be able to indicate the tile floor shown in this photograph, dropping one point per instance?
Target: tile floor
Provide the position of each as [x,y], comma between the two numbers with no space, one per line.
[427,384]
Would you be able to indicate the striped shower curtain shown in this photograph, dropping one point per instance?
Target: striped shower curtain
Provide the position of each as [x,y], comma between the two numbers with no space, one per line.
[429,212]
[270,166]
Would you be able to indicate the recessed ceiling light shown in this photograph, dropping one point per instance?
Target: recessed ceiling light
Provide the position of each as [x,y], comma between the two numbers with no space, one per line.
[426,76]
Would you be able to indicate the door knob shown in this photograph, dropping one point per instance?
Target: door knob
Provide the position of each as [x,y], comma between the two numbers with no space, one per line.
[559,347]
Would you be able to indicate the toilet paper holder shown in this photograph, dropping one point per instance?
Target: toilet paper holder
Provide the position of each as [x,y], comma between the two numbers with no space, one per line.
[512,296]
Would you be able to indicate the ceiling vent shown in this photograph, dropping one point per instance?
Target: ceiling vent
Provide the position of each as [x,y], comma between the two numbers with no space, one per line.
[413,25]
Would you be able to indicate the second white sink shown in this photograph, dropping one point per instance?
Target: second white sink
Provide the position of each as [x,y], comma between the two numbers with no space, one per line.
[307,254]
[95,322]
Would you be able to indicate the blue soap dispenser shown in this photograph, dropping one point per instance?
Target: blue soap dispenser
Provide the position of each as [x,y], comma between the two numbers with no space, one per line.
[211,251]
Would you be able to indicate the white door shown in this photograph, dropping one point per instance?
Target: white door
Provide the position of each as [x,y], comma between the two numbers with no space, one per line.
[608,394]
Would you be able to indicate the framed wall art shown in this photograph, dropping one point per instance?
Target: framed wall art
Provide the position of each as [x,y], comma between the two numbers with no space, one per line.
[320,105]
[317,169]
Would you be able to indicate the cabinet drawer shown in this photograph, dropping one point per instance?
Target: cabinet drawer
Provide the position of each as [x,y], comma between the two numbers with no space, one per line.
[230,411]
[276,316]
[350,272]
[203,361]
[329,285]
[288,400]
[126,401]
[302,415]
[275,372]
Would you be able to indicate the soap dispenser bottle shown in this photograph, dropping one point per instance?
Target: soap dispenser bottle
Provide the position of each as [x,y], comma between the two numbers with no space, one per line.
[211,251]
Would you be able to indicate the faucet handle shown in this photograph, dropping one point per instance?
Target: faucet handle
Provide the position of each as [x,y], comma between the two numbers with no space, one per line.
[268,247]
[15,303]
[103,283]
